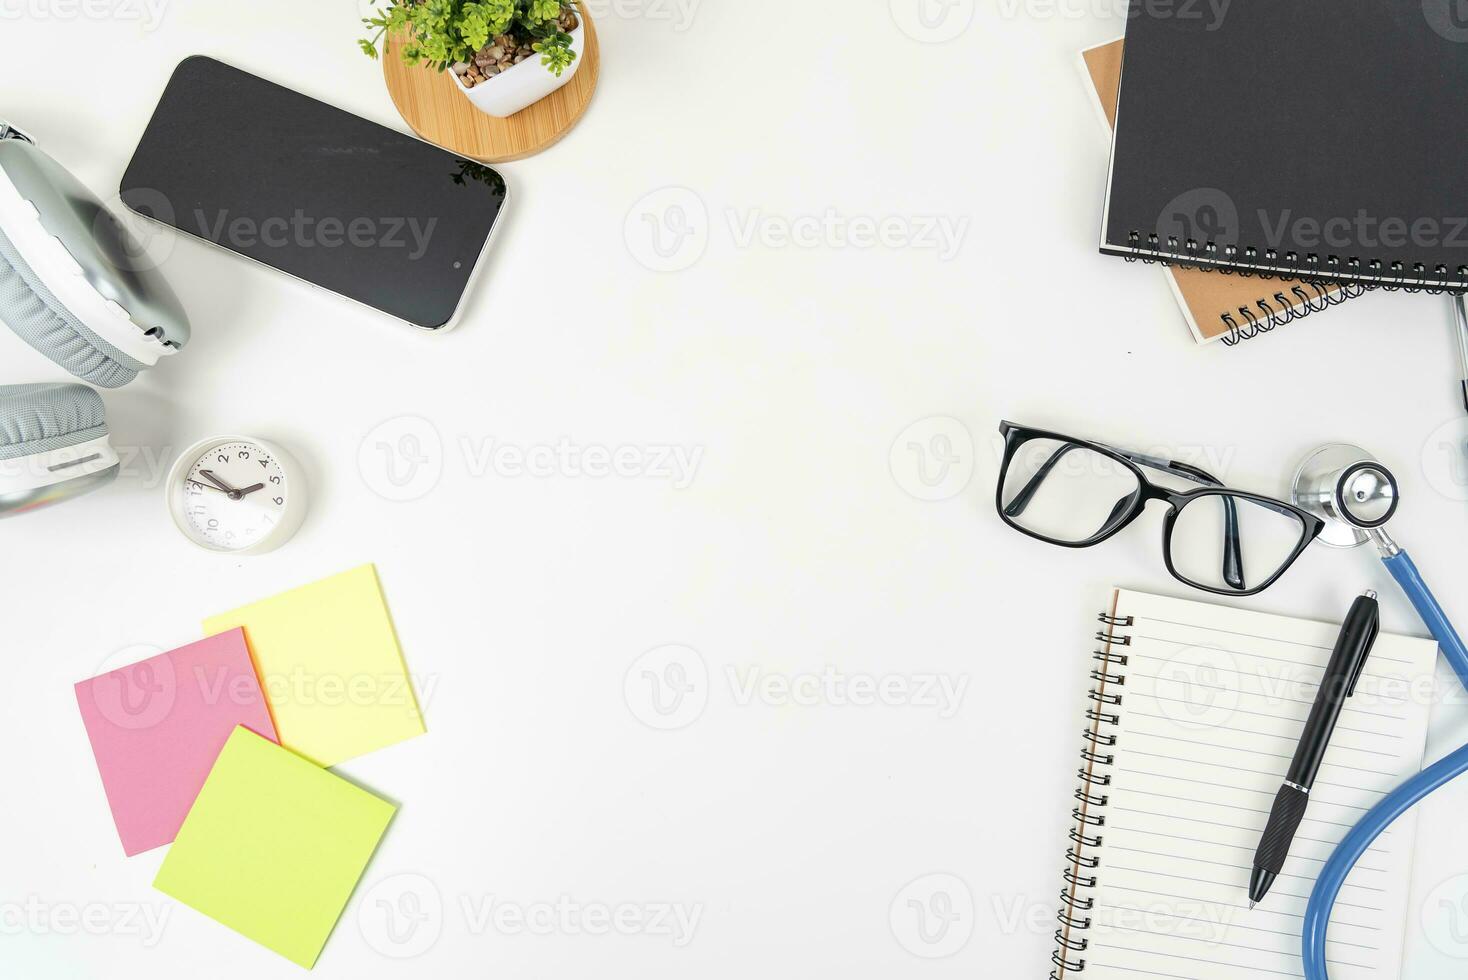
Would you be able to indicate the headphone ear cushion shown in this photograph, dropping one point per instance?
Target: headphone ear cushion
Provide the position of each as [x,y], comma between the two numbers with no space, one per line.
[40,319]
[41,418]
[53,446]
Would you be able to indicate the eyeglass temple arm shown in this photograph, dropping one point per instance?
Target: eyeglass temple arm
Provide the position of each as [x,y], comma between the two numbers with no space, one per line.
[1027,494]
[1233,559]
[1233,562]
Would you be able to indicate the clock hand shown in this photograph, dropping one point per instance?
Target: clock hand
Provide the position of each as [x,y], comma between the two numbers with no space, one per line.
[209,475]
[249,490]
[204,486]
[231,491]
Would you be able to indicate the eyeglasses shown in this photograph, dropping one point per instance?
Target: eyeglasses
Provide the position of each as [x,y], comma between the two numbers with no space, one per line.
[1077,494]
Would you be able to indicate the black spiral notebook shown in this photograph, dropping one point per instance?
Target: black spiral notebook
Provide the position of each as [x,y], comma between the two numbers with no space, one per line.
[1357,140]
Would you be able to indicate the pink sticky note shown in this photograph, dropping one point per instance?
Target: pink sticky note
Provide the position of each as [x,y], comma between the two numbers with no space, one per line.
[157,726]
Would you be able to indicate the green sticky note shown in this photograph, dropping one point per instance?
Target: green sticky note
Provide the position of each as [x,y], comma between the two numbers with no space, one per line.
[274,846]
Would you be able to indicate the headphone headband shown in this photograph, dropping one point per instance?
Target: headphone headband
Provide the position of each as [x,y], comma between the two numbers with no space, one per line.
[9,132]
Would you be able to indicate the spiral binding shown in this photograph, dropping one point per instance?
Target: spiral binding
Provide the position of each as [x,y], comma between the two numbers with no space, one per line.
[1320,275]
[1250,261]
[1092,795]
[1284,310]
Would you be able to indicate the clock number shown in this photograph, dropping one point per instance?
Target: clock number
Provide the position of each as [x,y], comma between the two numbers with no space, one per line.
[275,480]
[280,501]
[244,454]
[223,458]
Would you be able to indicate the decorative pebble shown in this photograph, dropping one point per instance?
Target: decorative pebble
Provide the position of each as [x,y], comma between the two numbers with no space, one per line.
[504,52]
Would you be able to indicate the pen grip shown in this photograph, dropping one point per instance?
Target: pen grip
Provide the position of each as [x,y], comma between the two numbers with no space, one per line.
[1279,834]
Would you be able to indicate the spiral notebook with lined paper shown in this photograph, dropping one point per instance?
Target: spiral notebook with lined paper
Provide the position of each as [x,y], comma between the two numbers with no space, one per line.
[1191,721]
[1310,139]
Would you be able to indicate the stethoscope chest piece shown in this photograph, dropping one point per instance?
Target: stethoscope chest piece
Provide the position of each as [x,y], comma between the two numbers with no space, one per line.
[1347,488]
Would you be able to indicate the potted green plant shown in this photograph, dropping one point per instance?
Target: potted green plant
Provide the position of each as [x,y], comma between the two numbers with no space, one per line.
[490,46]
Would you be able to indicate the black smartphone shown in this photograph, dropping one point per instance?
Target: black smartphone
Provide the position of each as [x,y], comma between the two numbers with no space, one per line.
[339,201]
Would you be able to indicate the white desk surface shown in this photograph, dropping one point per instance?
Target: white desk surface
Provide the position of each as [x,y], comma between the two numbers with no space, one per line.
[792,370]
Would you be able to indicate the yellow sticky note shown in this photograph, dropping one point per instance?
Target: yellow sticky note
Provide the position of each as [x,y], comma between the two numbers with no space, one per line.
[330,666]
[273,846]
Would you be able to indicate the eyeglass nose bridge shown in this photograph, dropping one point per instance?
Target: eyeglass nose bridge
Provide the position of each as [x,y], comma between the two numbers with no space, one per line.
[1127,508]
[1130,504]
[1233,560]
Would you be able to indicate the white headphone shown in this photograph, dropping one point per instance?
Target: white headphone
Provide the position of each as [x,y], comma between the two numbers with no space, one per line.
[72,287]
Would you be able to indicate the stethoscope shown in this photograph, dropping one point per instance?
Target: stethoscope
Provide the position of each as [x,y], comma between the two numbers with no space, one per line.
[1356,495]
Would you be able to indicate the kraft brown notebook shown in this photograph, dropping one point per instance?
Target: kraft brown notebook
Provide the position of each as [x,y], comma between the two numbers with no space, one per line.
[1217,307]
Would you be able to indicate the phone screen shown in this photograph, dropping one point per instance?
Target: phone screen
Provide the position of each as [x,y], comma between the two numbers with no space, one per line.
[316,192]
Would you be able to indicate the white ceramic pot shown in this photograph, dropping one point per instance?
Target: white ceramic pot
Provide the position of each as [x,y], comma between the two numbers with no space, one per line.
[525,84]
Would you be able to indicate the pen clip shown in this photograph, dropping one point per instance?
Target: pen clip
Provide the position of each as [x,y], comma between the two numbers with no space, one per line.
[1373,627]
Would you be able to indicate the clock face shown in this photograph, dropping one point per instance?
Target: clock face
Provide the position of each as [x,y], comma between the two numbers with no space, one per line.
[235,496]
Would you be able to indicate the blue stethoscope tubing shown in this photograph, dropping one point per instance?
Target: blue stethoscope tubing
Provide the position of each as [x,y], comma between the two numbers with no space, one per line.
[1403,798]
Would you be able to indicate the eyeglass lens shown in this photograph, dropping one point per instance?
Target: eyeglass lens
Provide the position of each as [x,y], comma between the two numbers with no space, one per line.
[1268,537]
[1065,491]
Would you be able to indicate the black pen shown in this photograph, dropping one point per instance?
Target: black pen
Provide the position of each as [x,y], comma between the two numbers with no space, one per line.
[1347,660]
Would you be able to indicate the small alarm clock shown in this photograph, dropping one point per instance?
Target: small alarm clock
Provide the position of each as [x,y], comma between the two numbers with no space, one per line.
[236,495]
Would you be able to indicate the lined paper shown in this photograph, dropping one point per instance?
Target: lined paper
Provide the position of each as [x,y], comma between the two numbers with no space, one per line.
[1213,704]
